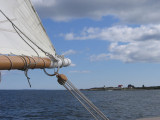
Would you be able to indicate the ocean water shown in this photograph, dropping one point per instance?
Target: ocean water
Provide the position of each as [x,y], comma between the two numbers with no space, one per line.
[60,105]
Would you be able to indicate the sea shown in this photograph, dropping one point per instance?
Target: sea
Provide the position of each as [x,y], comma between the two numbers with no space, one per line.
[61,105]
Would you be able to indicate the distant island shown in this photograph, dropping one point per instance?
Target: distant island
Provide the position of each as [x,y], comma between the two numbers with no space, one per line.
[120,87]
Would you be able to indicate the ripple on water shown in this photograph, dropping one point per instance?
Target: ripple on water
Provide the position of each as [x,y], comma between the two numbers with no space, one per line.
[60,105]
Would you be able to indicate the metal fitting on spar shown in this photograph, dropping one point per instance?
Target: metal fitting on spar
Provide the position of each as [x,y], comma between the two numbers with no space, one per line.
[61,62]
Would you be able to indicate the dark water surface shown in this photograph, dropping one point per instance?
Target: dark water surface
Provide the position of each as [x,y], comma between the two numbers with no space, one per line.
[60,105]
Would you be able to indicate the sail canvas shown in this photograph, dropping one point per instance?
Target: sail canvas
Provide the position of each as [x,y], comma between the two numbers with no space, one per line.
[23,15]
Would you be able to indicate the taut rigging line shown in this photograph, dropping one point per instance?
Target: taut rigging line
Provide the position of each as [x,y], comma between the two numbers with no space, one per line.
[87,104]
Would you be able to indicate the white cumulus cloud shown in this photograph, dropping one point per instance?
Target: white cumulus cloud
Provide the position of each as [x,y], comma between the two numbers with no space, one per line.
[69,52]
[128,44]
[132,52]
[118,33]
[148,51]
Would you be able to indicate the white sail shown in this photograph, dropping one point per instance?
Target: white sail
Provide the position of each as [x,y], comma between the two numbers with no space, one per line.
[23,15]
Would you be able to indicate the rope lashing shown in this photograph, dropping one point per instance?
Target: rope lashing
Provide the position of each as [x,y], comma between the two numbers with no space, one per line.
[35,63]
[9,61]
[26,67]
[86,103]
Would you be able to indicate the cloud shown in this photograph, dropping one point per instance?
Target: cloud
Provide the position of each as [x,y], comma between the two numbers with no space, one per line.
[128,44]
[118,33]
[100,57]
[69,52]
[73,65]
[135,11]
[68,36]
[77,71]
[148,51]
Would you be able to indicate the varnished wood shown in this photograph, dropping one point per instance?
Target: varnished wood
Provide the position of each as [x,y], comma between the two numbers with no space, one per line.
[20,62]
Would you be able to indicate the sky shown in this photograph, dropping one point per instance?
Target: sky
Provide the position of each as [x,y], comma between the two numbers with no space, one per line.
[109,42]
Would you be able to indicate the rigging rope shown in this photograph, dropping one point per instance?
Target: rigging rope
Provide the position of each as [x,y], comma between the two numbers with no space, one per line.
[87,104]
[19,32]
[86,99]
[17,29]
[23,33]
[80,102]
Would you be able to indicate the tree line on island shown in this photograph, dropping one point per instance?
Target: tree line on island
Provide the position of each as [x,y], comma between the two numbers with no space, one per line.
[120,87]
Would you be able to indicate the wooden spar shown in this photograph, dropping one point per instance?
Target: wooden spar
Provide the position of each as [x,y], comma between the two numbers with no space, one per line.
[21,62]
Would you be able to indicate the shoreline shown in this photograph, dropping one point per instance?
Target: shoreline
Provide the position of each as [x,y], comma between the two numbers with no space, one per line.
[122,89]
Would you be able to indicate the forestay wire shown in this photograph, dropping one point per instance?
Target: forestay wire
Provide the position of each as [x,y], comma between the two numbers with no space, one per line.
[86,103]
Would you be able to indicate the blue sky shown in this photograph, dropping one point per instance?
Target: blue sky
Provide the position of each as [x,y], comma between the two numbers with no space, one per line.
[109,43]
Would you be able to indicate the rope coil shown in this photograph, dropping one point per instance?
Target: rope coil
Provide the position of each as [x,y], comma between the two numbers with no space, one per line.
[35,64]
[44,63]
